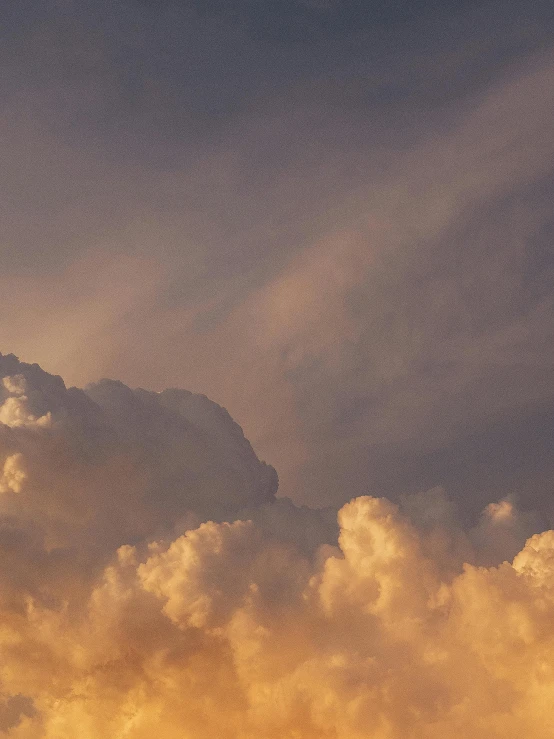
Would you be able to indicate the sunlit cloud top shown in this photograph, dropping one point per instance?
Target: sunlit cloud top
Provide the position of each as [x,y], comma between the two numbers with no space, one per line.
[153,583]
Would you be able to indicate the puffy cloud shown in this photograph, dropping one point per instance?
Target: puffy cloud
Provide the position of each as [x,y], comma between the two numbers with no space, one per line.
[15,410]
[83,472]
[13,474]
[152,585]
[224,633]
[142,455]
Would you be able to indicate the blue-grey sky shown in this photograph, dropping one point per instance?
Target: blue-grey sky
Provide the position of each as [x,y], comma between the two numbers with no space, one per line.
[333,218]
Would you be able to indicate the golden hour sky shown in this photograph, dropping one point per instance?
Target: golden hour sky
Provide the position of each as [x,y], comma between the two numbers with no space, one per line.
[329,222]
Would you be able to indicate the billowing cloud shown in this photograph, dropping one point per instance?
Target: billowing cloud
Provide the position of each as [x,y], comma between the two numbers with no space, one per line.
[154,585]
[82,472]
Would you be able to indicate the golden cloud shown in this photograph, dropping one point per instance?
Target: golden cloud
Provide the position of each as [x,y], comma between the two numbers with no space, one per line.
[231,629]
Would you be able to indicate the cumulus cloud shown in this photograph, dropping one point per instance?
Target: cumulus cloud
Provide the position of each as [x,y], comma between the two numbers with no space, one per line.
[12,475]
[15,411]
[83,472]
[154,585]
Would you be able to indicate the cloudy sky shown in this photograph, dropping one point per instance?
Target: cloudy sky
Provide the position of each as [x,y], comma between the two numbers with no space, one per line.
[334,219]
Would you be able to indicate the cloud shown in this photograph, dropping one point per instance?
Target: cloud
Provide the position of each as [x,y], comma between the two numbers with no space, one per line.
[234,645]
[13,474]
[14,411]
[82,472]
[12,708]
[153,584]
[337,224]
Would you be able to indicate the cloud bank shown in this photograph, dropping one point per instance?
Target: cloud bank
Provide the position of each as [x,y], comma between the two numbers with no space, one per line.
[153,584]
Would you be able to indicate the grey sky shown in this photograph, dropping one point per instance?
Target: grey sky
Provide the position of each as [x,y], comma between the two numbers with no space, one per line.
[333,218]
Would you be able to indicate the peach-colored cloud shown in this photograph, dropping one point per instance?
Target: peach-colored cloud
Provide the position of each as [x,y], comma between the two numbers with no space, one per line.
[201,640]
[115,621]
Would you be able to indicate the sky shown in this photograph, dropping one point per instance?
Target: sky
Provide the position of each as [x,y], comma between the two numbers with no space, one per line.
[334,219]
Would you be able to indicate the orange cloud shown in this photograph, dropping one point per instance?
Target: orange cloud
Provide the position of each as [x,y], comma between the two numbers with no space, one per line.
[226,625]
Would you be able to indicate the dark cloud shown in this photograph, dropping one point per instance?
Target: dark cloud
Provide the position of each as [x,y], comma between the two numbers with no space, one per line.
[12,708]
